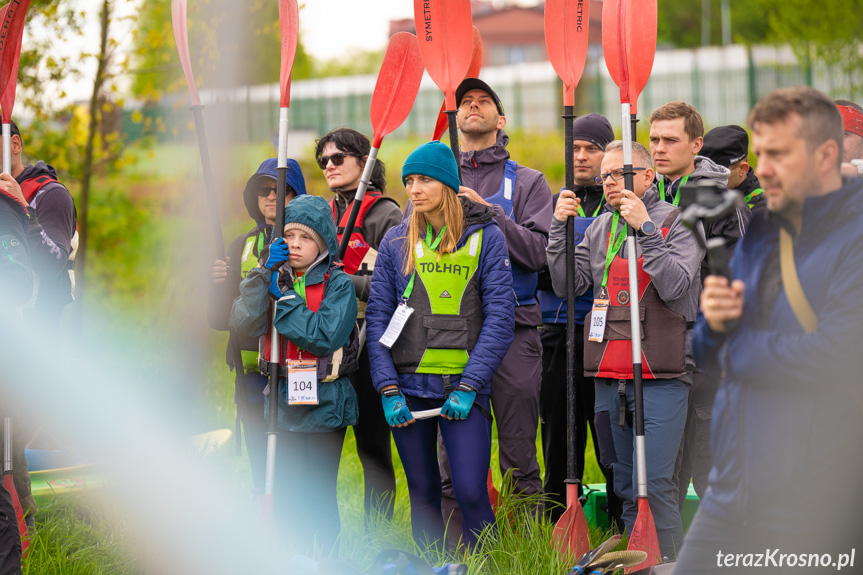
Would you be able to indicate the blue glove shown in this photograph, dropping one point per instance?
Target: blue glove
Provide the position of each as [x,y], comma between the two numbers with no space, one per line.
[278,255]
[396,408]
[275,290]
[459,402]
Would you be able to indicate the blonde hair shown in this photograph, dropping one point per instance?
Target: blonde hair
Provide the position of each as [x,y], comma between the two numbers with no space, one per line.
[453,214]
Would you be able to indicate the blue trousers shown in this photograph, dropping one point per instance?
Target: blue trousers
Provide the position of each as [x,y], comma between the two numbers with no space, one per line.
[665,403]
[468,445]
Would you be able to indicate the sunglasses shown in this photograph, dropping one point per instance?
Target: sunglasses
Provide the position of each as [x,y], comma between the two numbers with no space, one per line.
[338,159]
[616,175]
[265,191]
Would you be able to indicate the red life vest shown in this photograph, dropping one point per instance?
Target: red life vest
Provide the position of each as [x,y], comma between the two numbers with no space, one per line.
[663,331]
[289,350]
[358,247]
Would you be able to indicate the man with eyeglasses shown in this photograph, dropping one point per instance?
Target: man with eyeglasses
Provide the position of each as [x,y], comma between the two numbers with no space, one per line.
[259,197]
[590,134]
[668,273]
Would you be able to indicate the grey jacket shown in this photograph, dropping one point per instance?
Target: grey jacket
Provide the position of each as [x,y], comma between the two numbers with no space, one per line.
[526,235]
[672,262]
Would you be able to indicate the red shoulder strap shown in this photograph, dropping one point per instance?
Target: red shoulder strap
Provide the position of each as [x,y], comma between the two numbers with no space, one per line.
[368,201]
[31,186]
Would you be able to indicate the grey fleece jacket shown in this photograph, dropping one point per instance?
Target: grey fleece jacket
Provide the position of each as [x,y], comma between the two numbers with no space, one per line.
[672,262]
[527,235]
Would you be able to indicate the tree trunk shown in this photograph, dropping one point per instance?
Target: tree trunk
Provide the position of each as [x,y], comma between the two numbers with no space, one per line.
[87,174]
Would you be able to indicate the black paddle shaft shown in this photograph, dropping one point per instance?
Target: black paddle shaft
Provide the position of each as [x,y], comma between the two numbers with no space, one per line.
[234,351]
[453,140]
[571,431]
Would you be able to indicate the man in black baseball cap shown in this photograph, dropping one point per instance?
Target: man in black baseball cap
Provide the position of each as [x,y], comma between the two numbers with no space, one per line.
[728,146]
[521,200]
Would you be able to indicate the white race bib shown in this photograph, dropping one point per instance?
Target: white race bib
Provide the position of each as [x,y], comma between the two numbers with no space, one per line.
[302,382]
[597,320]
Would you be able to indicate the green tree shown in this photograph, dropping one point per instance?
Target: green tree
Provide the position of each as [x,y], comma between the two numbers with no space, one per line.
[679,22]
[231,44]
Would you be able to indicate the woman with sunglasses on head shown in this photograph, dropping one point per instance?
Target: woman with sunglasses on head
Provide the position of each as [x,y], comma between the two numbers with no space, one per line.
[259,197]
[342,155]
[446,272]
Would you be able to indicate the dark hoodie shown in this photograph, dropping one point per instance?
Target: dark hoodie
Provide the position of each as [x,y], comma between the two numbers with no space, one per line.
[50,241]
[221,296]
[16,275]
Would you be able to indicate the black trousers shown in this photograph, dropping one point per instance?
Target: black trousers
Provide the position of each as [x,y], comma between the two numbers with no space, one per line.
[552,409]
[373,443]
[10,540]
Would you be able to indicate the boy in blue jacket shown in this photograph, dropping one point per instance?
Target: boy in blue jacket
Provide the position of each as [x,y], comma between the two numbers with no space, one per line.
[315,315]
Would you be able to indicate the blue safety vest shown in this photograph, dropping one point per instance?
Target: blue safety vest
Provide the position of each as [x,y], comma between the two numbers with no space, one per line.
[553,307]
[523,282]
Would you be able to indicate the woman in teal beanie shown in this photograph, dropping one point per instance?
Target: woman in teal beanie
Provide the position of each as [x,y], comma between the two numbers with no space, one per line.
[447,264]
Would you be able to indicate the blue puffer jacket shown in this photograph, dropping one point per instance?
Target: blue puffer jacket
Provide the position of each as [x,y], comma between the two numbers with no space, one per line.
[321,333]
[788,417]
[498,306]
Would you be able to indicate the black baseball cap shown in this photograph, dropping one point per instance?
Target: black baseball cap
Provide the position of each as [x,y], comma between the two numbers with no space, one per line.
[469,84]
[726,145]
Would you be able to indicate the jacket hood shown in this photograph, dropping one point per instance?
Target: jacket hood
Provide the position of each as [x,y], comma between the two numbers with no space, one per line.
[476,216]
[315,212]
[293,178]
[705,168]
[493,155]
[40,168]
[750,183]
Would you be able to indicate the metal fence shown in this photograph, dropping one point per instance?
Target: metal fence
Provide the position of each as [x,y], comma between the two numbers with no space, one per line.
[723,83]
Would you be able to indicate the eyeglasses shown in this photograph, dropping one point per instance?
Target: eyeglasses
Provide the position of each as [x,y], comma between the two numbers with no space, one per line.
[265,191]
[337,158]
[616,175]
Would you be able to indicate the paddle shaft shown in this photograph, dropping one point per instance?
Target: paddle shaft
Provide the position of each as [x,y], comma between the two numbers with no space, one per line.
[275,340]
[7,149]
[634,316]
[571,432]
[358,200]
[213,208]
[453,140]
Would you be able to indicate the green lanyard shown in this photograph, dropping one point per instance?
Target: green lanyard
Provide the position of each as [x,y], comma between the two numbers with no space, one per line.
[582,214]
[752,194]
[677,195]
[432,245]
[300,286]
[615,242]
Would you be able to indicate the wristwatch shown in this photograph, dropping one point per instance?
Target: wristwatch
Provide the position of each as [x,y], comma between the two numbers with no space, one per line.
[647,228]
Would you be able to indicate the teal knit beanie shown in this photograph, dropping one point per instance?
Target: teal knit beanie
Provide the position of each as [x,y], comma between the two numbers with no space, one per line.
[433,159]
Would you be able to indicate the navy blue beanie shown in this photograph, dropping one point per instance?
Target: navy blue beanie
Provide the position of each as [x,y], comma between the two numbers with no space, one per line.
[435,160]
[593,128]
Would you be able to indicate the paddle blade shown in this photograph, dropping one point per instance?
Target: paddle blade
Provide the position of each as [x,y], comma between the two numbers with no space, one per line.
[493,493]
[644,537]
[566,35]
[641,42]
[570,534]
[11,32]
[289,24]
[397,86]
[472,72]
[181,40]
[444,31]
[9,484]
